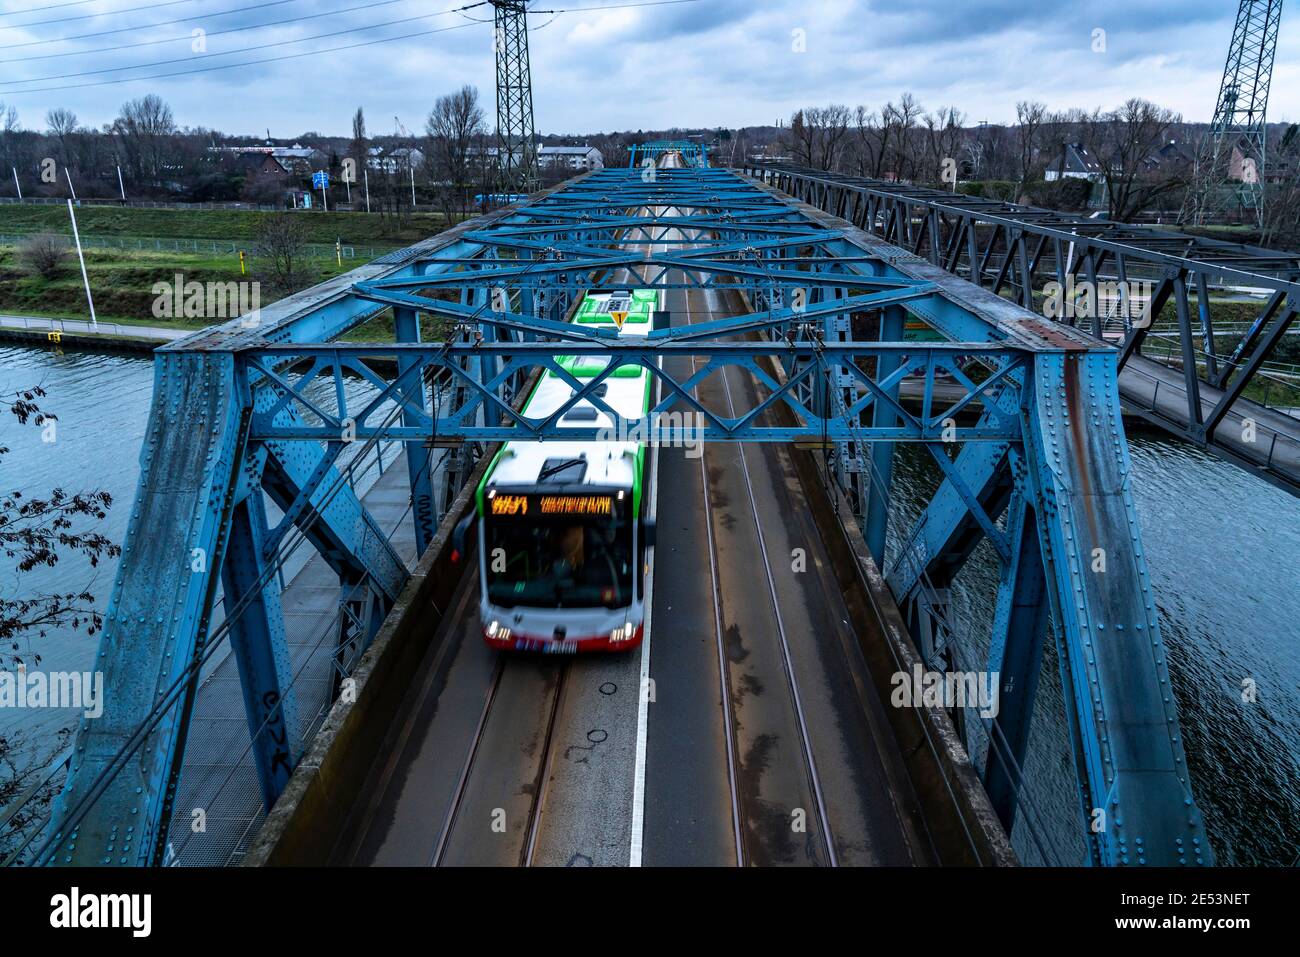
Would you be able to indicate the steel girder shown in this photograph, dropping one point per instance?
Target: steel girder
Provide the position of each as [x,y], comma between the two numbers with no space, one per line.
[465,421]
[235,411]
[199,518]
[648,154]
[198,523]
[1016,250]
[1064,462]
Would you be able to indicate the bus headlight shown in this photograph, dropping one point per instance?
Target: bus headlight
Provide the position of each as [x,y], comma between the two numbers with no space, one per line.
[623,632]
[496,632]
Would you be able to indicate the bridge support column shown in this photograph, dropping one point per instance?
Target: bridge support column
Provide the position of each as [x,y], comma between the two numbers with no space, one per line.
[257,639]
[892,324]
[1015,656]
[418,457]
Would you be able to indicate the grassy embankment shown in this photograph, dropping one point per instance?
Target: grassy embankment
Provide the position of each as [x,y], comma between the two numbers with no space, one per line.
[122,280]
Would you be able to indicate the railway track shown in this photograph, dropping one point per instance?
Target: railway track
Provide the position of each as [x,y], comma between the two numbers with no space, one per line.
[496,813]
[762,816]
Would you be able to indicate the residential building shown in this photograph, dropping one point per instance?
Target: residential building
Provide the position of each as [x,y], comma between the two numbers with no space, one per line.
[570,157]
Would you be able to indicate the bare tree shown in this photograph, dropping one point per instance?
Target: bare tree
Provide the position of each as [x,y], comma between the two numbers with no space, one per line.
[943,139]
[1029,121]
[359,149]
[145,129]
[1282,212]
[798,139]
[34,532]
[8,134]
[62,124]
[819,135]
[280,242]
[454,123]
[901,121]
[1125,142]
[870,143]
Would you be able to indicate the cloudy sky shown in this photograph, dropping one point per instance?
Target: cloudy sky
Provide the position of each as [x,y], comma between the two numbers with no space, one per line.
[616,64]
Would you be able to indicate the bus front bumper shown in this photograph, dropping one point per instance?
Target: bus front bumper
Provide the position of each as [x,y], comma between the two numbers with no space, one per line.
[506,640]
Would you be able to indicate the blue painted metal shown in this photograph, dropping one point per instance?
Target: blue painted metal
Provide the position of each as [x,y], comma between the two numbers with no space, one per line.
[257,639]
[418,458]
[1017,250]
[892,323]
[1032,407]
[1016,652]
[647,155]
[159,616]
[924,360]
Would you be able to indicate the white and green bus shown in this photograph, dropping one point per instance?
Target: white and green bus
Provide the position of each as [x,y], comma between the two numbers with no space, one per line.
[562,529]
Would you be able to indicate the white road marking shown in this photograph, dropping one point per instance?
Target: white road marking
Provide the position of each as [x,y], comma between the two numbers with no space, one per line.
[643,698]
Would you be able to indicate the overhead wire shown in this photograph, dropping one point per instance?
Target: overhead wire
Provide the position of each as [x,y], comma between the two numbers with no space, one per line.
[263,46]
[95,16]
[233,66]
[208,34]
[143,26]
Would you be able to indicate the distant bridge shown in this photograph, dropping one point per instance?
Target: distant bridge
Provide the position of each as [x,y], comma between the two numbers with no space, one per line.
[1199,391]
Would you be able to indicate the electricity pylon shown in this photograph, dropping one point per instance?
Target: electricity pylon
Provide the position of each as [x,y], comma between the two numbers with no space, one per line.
[1239,124]
[516,137]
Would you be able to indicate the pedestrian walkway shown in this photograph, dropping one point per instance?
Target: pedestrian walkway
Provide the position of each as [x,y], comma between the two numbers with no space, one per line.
[84,327]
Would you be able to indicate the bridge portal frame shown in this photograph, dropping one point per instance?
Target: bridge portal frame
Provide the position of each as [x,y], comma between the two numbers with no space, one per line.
[233,416]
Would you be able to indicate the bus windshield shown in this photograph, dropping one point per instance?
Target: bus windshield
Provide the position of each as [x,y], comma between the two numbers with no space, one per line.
[566,562]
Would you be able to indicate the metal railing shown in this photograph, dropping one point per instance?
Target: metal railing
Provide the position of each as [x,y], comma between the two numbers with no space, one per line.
[101,328]
[212,247]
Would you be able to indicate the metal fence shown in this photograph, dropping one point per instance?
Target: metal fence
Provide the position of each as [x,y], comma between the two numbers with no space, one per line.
[135,203]
[211,247]
[82,326]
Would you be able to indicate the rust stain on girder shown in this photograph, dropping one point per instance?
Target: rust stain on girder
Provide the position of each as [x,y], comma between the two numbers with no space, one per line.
[1079,440]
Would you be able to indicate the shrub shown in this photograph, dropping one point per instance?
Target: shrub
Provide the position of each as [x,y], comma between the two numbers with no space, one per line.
[43,256]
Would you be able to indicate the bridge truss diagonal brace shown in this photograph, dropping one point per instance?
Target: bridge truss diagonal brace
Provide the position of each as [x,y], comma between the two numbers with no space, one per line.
[1067,493]
[1134,784]
[327,510]
[260,647]
[122,782]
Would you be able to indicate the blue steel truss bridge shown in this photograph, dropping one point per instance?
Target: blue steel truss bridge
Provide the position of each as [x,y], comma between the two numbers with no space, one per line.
[344,709]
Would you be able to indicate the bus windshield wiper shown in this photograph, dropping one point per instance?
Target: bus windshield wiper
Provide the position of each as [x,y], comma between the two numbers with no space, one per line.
[559,467]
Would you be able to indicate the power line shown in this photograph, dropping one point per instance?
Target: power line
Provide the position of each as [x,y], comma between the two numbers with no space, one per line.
[262,46]
[51,6]
[144,26]
[618,6]
[92,16]
[231,66]
[209,33]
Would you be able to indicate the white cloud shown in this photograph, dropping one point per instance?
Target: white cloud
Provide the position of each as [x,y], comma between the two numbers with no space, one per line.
[712,63]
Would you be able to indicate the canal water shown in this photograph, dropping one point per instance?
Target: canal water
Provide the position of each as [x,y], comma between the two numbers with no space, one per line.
[1223,550]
